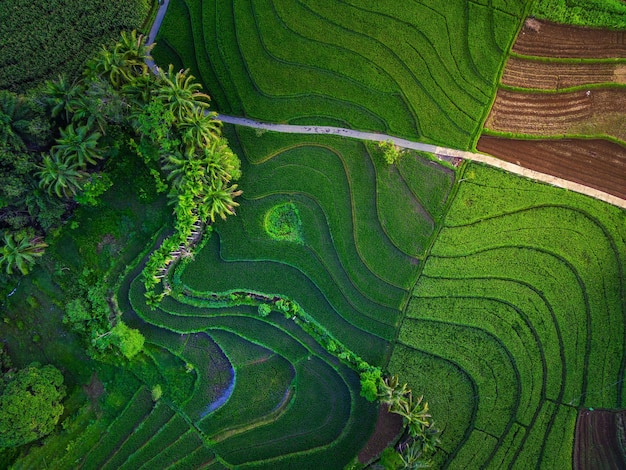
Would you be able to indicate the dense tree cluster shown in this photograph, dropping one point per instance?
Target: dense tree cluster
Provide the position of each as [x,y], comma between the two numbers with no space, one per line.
[30,404]
[42,39]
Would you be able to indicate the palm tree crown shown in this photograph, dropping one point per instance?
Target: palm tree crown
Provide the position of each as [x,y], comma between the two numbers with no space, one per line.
[20,252]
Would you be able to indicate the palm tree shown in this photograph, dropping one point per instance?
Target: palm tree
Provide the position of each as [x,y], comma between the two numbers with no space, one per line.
[180,92]
[19,251]
[139,89]
[392,394]
[199,127]
[413,458]
[219,201]
[135,52]
[59,175]
[15,118]
[79,145]
[110,64]
[61,96]
[415,414]
[220,162]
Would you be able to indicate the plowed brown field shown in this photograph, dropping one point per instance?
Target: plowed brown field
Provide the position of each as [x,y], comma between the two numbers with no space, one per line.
[600,443]
[591,112]
[555,76]
[541,38]
[599,164]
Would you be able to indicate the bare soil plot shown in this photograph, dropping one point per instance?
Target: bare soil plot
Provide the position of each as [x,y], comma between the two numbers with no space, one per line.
[555,76]
[388,428]
[590,112]
[595,163]
[542,38]
[600,441]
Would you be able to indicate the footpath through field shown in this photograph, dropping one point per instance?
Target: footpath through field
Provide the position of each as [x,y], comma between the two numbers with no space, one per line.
[441,152]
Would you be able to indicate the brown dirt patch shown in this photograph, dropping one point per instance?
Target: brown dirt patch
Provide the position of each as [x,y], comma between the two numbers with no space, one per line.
[546,39]
[596,163]
[597,111]
[600,440]
[555,76]
[94,390]
[388,429]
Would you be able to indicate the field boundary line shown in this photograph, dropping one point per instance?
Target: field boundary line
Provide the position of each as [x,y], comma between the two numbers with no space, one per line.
[374,136]
[429,148]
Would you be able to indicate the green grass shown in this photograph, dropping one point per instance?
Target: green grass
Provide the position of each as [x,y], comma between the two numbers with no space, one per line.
[595,13]
[428,72]
[523,292]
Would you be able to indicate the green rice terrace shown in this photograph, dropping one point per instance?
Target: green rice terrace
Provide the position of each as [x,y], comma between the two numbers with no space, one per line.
[268,337]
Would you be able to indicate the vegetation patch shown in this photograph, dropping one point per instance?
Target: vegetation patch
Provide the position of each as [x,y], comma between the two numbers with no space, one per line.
[427,73]
[44,39]
[530,277]
[282,222]
[594,13]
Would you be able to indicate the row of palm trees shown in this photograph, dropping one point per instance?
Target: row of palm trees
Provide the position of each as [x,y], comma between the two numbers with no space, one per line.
[422,440]
[166,111]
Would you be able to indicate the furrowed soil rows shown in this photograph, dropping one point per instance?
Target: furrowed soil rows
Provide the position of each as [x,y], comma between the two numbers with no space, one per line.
[591,112]
[596,163]
[600,441]
[528,73]
[545,39]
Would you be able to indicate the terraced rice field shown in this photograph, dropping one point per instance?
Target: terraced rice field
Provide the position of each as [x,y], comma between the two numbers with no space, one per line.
[520,312]
[599,439]
[420,69]
[265,393]
[593,112]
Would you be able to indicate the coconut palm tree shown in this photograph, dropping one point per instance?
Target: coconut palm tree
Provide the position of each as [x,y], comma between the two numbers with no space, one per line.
[413,458]
[179,91]
[219,201]
[139,89]
[20,251]
[415,414]
[110,64]
[391,393]
[61,96]
[79,145]
[199,127]
[15,118]
[59,175]
[135,52]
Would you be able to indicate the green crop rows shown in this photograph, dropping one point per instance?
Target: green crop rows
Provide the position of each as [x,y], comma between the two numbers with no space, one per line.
[418,69]
[523,298]
[265,393]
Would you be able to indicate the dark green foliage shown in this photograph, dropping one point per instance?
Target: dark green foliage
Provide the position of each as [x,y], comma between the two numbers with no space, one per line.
[282,222]
[44,38]
[595,13]
[92,189]
[30,404]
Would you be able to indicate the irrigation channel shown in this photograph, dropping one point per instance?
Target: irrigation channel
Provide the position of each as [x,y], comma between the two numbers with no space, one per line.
[440,152]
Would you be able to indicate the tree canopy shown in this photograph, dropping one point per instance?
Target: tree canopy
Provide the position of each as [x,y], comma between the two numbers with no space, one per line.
[30,404]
